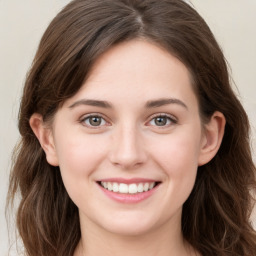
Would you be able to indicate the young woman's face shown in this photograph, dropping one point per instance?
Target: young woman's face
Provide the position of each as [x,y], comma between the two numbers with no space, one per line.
[129,142]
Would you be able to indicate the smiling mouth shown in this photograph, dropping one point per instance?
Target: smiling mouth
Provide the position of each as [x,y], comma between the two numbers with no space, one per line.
[133,188]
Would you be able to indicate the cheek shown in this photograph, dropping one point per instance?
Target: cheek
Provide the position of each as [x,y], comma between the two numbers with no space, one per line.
[78,158]
[78,154]
[178,158]
[180,166]
[178,154]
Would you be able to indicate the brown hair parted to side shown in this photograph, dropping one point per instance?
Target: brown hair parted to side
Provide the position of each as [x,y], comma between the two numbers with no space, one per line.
[215,219]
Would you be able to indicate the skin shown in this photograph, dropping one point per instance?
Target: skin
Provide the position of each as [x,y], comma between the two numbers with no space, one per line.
[128,142]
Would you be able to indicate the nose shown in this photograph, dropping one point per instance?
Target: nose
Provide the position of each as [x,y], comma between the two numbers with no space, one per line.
[127,148]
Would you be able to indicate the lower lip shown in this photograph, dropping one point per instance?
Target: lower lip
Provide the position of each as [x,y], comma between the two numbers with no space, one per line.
[129,198]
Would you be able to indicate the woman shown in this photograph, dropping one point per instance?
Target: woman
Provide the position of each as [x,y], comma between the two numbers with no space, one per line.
[132,140]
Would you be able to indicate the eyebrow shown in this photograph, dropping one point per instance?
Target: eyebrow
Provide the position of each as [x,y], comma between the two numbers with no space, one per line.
[149,104]
[165,101]
[89,102]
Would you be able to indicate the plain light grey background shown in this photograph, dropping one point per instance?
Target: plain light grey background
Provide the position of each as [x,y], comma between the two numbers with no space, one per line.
[22,24]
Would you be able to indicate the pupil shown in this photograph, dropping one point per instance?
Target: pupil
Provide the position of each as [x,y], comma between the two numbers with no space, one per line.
[95,121]
[161,121]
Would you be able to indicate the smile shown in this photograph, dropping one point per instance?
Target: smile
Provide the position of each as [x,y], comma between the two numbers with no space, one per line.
[128,191]
[123,188]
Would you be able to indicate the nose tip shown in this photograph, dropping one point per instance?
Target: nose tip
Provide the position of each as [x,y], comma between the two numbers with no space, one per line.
[126,161]
[127,150]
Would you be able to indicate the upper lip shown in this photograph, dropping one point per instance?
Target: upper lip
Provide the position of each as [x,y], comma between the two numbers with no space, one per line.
[128,181]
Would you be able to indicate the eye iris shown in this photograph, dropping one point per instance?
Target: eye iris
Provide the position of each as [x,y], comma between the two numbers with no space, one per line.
[160,121]
[95,121]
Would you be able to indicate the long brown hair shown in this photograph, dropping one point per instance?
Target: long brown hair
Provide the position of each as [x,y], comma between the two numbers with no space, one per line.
[216,216]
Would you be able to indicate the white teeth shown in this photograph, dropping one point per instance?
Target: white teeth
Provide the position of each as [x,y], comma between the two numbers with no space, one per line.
[151,185]
[109,186]
[128,189]
[123,188]
[115,187]
[146,187]
[105,184]
[140,188]
[133,189]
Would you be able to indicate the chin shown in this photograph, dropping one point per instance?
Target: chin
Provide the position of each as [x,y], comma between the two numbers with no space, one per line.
[130,225]
[129,230]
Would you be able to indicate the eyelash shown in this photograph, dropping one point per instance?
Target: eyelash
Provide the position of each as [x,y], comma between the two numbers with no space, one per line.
[170,120]
[94,115]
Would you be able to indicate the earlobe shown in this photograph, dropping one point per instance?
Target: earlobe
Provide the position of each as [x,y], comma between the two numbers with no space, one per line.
[45,138]
[212,138]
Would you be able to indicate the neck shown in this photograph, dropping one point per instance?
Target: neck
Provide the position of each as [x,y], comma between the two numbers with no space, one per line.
[164,241]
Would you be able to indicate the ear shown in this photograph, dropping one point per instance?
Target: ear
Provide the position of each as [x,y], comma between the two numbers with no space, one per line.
[45,138]
[212,138]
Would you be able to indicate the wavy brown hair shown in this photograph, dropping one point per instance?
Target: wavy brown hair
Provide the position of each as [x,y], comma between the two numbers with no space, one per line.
[216,216]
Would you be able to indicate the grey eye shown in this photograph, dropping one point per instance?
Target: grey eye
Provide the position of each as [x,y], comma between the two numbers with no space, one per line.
[161,120]
[94,121]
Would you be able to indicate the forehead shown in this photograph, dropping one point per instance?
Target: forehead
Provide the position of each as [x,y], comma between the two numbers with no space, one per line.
[137,69]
